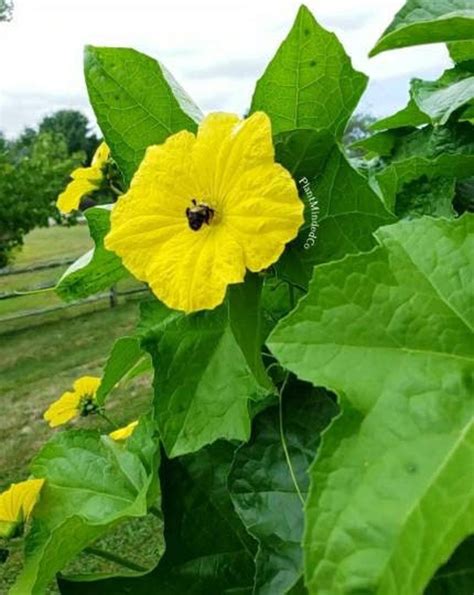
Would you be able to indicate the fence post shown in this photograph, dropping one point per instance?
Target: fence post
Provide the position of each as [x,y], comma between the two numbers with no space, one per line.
[113,296]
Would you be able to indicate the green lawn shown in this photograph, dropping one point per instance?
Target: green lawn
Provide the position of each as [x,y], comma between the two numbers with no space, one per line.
[39,362]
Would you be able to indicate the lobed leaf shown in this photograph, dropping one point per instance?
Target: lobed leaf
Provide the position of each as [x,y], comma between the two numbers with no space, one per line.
[391,332]
[92,483]
[125,355]
[310,83]
[136,101]
[96,270]
[349,212]
[428,21]
[207,370]
[207,547]
[262,489]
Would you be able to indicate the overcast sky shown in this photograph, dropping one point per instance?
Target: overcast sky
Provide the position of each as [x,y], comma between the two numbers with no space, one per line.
[215,49]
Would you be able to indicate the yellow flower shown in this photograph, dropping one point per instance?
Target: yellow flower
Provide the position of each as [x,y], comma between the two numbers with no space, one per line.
[17,503]
[80,401]
[125,432]
[202,209]
[84,180]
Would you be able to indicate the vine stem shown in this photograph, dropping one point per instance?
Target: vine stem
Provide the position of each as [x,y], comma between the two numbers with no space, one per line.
[283,440]
[113,425]
[115,558]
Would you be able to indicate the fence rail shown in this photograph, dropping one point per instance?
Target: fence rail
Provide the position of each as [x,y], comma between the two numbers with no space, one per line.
[112,295]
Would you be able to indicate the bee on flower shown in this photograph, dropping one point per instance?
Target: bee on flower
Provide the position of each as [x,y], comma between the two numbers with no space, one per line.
[203,209]
[81,401]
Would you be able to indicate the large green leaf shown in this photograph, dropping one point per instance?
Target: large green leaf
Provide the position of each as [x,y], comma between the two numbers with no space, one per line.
[92,483]
[262,489]
[97,269]
[446,151]
[409,116]
[205,374]
[462,52]
[439,99]
[433,101]
[310,83]
[349,212]
[428,21]
[208,550]
[125,355]
[136,101]
[426,197]
[391,332]
[456,577]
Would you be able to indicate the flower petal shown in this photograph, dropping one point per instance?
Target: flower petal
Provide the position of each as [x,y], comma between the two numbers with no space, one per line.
[63,410]
[191,271]
[86,385]
[17,503]
[227,146]
[125,432]
[101,156]
[81,184]
[153,211]
[263,212]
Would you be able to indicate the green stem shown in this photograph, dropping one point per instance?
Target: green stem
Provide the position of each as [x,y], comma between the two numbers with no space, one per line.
[283,441]
[113,425]
[115,558]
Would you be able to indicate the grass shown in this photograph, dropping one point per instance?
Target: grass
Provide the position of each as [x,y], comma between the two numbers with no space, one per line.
[38,363]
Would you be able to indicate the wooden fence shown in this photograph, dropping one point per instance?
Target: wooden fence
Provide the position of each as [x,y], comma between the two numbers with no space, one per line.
[111,296]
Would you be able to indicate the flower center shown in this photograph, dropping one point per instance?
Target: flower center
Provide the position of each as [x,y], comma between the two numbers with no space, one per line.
[88,405]
[199,214]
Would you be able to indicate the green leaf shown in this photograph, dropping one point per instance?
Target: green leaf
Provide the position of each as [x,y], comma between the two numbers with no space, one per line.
[391,332]
[97,269]
[439,99]
[247,324]
[461,52]
[409,116]
[207,548]
[446,151]
[456,577]
[432,101]
[203,379]
[428,21]
[262,489]
[136,101]
[310,83]
[92,483]
[125,355]
[349,212]
[426,197]
[380,144]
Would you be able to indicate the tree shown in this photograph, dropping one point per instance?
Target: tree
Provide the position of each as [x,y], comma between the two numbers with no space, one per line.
[358,128]
[74,127]
[31,177]
[6,10]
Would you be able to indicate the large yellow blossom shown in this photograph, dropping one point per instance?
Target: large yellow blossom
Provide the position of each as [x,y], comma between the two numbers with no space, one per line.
[84,180]
[125,432]
[202,209]
[17,503]
[79,401]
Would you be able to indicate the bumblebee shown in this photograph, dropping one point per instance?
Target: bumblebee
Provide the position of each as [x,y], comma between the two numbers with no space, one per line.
[198,215]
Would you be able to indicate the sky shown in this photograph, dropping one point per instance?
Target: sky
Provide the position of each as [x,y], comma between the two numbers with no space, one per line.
[216,49]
